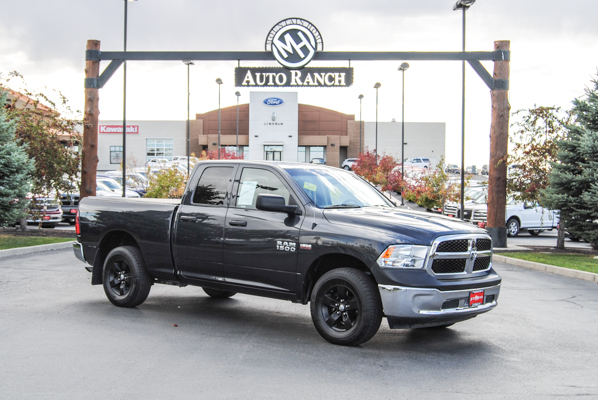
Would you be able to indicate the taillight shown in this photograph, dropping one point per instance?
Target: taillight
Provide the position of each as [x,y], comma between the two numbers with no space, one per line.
[77,226]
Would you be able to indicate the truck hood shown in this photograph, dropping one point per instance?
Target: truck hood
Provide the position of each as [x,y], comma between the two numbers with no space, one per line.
[404,225]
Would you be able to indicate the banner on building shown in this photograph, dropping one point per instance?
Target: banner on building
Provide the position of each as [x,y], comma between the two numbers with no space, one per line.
[282,77]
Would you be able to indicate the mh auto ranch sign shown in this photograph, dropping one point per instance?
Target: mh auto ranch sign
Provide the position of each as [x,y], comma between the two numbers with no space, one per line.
[293,43]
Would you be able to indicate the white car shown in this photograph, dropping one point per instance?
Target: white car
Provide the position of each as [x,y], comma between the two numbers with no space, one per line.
[114,186]
[422,162]
[348,163]
[157,162]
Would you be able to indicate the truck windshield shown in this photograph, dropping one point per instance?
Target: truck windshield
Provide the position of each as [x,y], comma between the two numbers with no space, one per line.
[332,188]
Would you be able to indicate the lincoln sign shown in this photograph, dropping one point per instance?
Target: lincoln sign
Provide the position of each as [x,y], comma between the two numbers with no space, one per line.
[282,77]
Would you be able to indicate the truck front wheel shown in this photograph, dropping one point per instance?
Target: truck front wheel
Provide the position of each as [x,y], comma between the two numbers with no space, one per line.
[126,281]
[345,307]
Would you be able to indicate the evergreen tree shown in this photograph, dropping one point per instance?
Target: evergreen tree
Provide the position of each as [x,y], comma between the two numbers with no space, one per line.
[15,169]
[573,187]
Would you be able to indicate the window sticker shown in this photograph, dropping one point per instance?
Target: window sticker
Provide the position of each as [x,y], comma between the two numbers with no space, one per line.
[310,186]
[246,193]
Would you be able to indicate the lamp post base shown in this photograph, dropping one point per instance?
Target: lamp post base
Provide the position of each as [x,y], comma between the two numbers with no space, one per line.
[499,236]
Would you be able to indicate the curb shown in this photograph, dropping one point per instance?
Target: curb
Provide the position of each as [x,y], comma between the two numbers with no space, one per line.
[570,273]
[35,249]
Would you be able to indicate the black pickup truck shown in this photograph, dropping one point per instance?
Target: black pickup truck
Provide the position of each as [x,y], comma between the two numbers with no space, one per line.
[298,232]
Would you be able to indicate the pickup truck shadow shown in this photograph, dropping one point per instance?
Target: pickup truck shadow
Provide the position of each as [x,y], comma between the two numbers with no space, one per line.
[268,321]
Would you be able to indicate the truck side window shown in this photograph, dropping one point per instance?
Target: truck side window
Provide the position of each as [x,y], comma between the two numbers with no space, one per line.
[212,186]
[256,181]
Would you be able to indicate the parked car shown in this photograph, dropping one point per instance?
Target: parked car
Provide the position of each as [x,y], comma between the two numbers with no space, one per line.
[135,181]
[44,210]
[318,161]
[157,162]
[471,169]
[114,186]
[421,162]
[192,160]
[485,170]
[348,163]
[307,234]
[452,169]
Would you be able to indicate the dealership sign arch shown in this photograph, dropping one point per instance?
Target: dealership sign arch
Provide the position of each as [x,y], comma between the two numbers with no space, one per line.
[294,43]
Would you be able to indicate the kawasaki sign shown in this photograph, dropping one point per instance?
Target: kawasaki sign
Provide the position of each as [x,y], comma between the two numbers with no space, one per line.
[293,43]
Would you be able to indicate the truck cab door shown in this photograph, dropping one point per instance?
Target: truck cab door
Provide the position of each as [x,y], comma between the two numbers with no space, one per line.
[198,229]
[260,247]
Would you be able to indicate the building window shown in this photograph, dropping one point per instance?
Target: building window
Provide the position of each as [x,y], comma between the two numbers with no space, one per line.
[307,153]
[159,148]
[243,150]
[273,153]
[301,154]
[116,154]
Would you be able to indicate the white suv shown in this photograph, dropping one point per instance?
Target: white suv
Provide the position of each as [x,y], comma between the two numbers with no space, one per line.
[421,162]
[348,163]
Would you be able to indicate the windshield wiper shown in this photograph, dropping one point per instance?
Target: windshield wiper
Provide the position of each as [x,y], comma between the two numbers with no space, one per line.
[343,206]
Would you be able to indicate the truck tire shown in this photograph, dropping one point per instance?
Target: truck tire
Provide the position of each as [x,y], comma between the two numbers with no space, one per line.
[219,294]
[512,227]
[345,307]
[126,281]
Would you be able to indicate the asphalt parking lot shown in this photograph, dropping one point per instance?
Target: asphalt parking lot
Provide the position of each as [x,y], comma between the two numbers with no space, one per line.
[61,338]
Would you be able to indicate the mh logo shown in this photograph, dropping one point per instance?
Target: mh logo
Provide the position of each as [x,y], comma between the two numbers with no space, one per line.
[294,42]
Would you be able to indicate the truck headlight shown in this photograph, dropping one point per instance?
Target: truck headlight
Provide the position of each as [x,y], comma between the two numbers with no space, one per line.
[403,256]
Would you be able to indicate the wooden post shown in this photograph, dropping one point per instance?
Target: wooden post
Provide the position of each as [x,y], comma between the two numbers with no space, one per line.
[89,160]
[499,139]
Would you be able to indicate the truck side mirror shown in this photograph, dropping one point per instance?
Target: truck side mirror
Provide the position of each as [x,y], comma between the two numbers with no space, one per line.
[272,202]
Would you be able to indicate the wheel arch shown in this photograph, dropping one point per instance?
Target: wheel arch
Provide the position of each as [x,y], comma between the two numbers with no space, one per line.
[109,242]
[326,263]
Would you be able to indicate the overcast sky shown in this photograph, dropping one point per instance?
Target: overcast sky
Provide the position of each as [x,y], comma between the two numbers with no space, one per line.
[554,54]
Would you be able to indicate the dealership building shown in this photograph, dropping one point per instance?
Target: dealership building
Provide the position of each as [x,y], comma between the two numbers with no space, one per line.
[273,126]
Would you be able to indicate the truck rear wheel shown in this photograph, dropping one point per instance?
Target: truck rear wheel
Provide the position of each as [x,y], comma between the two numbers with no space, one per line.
[512,227]
[219,294]
[126,281]
[345,307]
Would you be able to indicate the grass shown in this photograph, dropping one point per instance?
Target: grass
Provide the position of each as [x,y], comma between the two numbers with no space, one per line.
[580,262]
[11,242]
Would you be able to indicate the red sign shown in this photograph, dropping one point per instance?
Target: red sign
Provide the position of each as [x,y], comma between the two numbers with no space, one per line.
[476,298]
[118,129]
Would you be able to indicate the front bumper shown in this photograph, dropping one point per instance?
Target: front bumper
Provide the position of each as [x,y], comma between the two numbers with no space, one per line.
[411,307]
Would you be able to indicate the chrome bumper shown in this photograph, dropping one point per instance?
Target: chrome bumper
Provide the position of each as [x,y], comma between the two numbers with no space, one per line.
[408,307]
[78,250]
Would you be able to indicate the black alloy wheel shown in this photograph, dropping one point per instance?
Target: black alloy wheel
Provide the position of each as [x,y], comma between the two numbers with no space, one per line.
[345,306]
[126,281]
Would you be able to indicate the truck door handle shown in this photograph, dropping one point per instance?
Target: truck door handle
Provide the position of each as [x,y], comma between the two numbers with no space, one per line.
[190,219]
[237,223]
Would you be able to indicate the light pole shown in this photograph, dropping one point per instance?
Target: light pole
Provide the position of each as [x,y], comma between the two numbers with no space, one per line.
[404,67]
[219,82]
[188,63]
[463,5]
[125,108]
[238,95]
[376,86]
[360,123]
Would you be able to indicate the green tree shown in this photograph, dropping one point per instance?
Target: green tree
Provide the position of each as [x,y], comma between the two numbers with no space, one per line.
[50,136]
[167,183]
[15,167]
[533,149]
[573,183]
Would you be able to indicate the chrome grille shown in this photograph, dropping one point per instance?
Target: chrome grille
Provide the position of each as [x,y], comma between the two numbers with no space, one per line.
[457,256]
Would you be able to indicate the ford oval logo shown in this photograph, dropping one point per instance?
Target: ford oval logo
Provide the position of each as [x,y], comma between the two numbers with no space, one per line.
[273,101]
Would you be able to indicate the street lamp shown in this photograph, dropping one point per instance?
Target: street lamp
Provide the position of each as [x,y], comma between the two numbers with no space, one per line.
[125,108]
[404,67]
[238,95]
[188,63]
[463,5]
[360,123]
[219,82]
[376,86]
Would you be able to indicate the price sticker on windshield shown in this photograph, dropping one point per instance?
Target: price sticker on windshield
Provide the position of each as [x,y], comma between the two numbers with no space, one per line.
[310,186]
